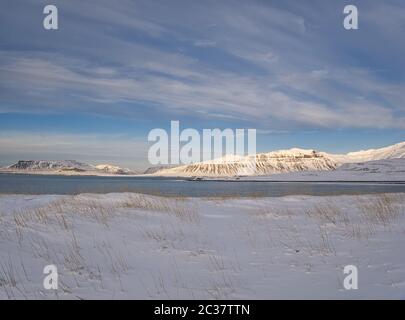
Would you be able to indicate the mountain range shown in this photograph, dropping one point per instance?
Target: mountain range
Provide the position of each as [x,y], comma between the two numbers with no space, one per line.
[282,161]
[262,164]
[64,167]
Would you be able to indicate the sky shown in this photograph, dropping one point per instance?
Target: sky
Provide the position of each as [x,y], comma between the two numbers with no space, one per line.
[114,70]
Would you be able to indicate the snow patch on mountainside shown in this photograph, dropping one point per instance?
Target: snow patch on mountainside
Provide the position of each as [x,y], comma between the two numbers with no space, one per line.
[391,152]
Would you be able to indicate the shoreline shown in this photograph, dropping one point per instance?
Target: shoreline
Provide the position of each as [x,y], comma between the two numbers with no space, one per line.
[70,174]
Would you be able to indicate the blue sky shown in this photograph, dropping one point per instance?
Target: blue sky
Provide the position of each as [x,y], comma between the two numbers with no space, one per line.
[114,70]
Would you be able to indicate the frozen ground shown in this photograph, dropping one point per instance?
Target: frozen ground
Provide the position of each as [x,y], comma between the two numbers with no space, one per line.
[132,246]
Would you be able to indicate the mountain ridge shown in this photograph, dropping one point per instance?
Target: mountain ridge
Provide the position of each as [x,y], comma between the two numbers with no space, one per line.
[64,167]
[282,161]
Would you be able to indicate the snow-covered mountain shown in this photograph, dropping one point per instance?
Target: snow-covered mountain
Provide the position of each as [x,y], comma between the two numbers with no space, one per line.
[108,168]
[51,165]
[282,161]
[63,167]
[391,152]
[262,164]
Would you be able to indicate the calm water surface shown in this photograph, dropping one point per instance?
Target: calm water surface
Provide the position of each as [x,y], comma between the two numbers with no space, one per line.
[39,184]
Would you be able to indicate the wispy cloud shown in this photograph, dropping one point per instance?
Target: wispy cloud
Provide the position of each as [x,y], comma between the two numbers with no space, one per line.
[277,65]
[306,98]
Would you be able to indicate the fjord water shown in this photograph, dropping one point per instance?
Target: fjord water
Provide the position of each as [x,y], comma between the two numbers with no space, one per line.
[53,184]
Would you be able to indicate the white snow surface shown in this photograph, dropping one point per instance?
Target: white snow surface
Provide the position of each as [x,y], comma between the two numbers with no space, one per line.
[133,246]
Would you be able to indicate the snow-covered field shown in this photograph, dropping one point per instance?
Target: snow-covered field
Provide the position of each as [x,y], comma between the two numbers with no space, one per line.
[142,247]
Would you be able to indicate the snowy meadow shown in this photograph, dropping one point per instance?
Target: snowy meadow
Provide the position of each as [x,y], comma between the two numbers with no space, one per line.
[134,246]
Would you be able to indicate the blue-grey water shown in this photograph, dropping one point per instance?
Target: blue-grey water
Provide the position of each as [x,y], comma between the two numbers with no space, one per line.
[53,184]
